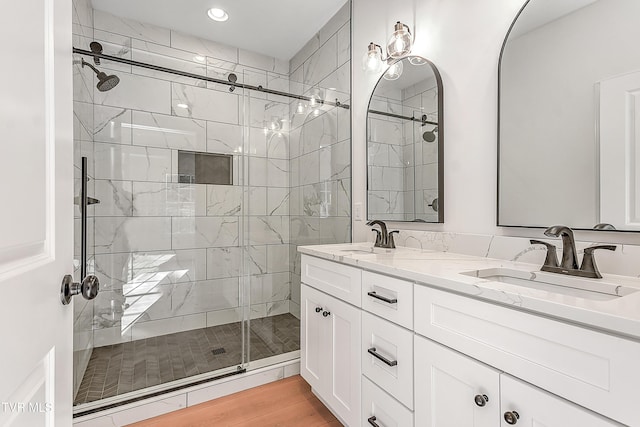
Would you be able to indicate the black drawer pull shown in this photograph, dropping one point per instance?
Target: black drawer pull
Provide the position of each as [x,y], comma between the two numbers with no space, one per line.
[381,298]
[372,351]
[372,421]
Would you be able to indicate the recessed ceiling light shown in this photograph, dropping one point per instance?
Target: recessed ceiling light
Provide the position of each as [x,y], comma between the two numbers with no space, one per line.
[199,58]
[218,14]
[182,106]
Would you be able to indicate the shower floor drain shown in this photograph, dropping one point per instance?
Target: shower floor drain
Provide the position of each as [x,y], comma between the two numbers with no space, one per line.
[217,351]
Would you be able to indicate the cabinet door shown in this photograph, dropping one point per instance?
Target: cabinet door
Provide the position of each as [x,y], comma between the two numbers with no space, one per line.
[535,407]
[315,357]
[344,323]
[452,390]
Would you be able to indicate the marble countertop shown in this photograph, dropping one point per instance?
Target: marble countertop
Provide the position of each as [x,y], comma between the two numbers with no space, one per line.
[444,270]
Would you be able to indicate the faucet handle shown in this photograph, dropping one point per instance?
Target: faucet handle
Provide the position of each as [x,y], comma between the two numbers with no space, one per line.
[552,257]
[390,243]
[589,261]
[378,238]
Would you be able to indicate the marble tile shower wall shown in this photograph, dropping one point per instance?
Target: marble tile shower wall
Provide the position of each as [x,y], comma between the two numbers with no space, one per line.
[320,144]
[169,254]
[421,157]
[387,181]
[83,146]
[403,168]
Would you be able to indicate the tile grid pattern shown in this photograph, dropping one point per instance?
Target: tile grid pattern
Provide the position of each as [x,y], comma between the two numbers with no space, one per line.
[181,242]
[121,368]
[403,168]
[320,149]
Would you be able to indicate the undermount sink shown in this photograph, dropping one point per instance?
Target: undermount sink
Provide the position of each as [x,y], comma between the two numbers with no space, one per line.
[365,250]
[594,289]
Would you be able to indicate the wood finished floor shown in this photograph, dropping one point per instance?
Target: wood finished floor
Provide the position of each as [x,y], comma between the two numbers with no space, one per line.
[285,403]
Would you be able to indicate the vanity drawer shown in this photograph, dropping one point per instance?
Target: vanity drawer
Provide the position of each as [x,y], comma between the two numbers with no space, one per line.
[387,411]
[387,357]
[593,369]
[389,298]
[341,281]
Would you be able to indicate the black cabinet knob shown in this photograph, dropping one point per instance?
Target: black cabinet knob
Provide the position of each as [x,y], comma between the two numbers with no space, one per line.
[318,309]
[511,417]
[326,313]
[481,399]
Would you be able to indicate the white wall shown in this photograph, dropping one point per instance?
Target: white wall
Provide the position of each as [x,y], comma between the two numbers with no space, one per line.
[463,38]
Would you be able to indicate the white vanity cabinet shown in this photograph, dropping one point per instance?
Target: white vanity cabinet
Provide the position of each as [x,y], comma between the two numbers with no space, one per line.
[330,349]
[536,407]
[454,390]
[427,357]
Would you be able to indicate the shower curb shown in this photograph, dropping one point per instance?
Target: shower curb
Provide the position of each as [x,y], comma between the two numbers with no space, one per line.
[161,403]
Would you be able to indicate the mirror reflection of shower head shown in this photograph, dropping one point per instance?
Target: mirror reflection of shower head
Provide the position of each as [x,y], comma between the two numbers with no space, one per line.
[105,82]
[232,79]
[96,48]
[430,135]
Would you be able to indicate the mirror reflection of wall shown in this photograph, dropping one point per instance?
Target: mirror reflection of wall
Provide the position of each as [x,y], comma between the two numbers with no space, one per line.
[566,76]
[404,144]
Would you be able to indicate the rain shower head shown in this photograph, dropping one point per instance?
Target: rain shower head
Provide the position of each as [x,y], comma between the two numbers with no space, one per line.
[105,82]
[430,135]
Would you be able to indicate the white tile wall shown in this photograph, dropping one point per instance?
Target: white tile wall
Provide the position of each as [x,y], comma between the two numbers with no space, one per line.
[186,237]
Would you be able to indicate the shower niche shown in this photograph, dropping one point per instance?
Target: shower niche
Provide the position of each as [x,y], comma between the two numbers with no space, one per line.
[405,140]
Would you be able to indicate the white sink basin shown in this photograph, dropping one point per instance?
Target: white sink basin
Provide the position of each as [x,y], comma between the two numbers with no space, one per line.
[358,250]
[594,289]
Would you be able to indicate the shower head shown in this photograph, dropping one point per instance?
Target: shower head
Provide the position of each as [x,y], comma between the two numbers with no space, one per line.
[430,135]
[105,82]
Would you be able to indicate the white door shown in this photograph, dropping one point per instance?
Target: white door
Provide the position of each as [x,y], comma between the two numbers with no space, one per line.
[36,233]
[620,151]
[452,390]
[524,404]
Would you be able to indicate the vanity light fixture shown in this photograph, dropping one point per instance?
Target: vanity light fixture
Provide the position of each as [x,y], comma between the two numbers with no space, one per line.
[218,14]
[399,45]
[372,60]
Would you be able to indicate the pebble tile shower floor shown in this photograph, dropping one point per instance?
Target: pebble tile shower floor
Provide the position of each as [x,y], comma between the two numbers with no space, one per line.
[122,368]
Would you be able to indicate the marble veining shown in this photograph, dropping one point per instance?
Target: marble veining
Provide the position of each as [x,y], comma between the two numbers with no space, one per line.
[442,269]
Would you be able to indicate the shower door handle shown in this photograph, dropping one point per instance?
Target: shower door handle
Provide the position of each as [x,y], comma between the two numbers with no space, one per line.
[89,288]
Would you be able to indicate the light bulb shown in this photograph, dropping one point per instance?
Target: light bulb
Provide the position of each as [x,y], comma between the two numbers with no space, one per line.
[372,60]
[394,71]
[400,42]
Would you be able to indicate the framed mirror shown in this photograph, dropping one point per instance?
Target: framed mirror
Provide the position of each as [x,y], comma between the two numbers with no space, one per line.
[405,139]
[569,146]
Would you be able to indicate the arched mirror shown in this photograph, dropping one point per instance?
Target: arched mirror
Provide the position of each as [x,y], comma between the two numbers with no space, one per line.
[569,116]
[405,138]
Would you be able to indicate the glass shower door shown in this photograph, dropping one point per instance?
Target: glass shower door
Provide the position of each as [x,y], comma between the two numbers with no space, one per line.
[166,238]
[273,331]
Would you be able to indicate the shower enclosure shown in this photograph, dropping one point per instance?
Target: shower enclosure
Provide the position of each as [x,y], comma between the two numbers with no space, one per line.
[207,165]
